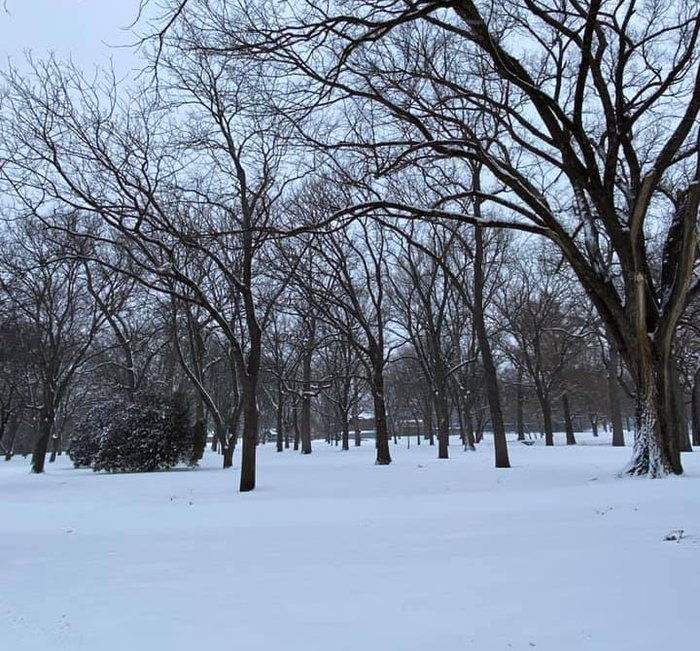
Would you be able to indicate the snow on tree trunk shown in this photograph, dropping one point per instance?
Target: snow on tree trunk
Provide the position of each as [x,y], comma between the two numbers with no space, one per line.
[655,452]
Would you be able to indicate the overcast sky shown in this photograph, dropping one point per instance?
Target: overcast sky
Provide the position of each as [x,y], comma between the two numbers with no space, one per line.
[82,29]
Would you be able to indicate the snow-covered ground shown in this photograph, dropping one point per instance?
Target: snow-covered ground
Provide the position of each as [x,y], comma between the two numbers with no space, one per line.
[334,553]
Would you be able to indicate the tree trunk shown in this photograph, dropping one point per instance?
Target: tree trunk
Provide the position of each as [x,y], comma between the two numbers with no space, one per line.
[594,424]
[696,407]
[430,433]
[380,425]
[54,449]
[346,434]
[462,430]
[568,424]
[655,452]
[280,418]
[305,426]
[520,406]
[618,433]
[680,414]
[490,377]
[546,407]
[295,424]
[42,443]
[227,454]
[443,423]
[471,440]
[250,435]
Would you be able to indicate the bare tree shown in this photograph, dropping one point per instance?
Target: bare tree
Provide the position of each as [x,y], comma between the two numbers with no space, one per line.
[190,206]
[47,290]
[435,317]
[349,281]
[546,335]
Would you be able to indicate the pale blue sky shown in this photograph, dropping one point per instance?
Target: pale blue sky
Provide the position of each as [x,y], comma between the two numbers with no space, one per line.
[82,29]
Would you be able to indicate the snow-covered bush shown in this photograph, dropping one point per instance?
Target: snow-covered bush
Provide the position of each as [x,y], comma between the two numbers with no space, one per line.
[85,438]
[146,433]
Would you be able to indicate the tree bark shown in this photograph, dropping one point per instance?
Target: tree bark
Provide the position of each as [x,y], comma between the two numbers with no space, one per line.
[680,414]
[346,434]
[695,405]
[250,435]
[618,433]
[655,452]
[443,422]
[225,443]
[568,424]
[490,376]
[520,405]
[280,417]
[594,424]
[546,407]
[469,419]
[46,421]
[305,425]
[295,424]
[380,424]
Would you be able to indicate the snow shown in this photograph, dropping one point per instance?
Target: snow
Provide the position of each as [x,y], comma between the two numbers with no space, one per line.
[334,553]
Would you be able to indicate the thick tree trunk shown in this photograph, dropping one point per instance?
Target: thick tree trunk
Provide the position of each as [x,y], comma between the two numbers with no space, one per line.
[655,452]
[250,435]
[346,434]
[568,424]
[42,443]
[227,454]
